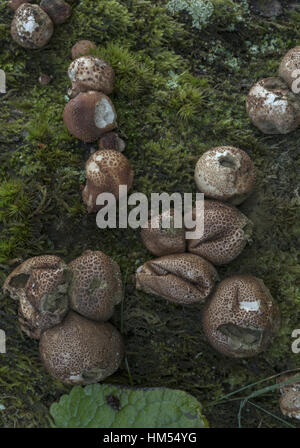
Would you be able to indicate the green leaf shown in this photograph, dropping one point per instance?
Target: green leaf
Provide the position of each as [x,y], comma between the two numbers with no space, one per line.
[106,406]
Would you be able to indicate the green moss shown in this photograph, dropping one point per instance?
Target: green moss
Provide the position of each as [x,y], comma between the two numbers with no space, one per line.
[178,92]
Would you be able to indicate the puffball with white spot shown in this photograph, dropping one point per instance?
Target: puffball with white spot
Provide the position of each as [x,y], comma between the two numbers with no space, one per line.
[31,26]
[241,318]
[89,115]
[272,107]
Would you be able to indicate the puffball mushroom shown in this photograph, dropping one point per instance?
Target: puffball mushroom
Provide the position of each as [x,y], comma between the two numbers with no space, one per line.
[288,66]
[82,48]
[163,241]
[81,351]
[273,107]
[31,27]
[91,73]
[105,171]
[290,400]
[89,115]
[40,286]
[96,285]
[226,233]
[58,10]
[241,318]
[111,140]
[181,278]
[225,173]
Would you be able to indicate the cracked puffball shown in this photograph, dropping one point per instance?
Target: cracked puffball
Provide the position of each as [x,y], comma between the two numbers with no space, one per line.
[241,318]
[273,107]
[90,115]
[106,170]
[226,233]
[58,10]
[40,285]
[81,351]
[82,48]
[290,400]
[179,278]
[225,173]
[163,241]
[31,27]
[289,68]
[14,4]
[95,285]
[91,73]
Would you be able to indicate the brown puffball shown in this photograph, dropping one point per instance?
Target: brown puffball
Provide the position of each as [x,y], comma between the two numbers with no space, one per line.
[290,400]
[226,233]
[163,241]
[241,318]
[58,10]
[111,140]
[225,173]
[272,107]
[31,27]
[180,278]
[82,48]
[96,285]
[91,73]
[106,170]
[40,286]
[289,66]
[89,115]
[81,351]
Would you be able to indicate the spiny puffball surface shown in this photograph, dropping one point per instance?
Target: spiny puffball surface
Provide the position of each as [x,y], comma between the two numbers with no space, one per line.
[289,69]
[225,173]
[96,285]
[241,318]
[226,233]
[106,170]
[81,351]
[31,26]
[181,278]
[290,396]
[273,107]
[89,115]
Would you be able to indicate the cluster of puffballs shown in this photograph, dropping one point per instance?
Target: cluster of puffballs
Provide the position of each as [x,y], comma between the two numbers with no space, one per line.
[90,115]
[32,26]
[240,317]
[66,307]
[273,104]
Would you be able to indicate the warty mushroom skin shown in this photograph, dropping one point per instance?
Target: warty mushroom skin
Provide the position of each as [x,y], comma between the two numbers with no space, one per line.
[105,170]
[160,241]
[95,286]
[273,107]
[58,10]
[91,73]
[82,48]
[290,400]
[40,285]
[81,351]
[31,27]
[225,173]
[90,115]
[226,233]
[241,318]
[180,278]
[14,4]
[289,64]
